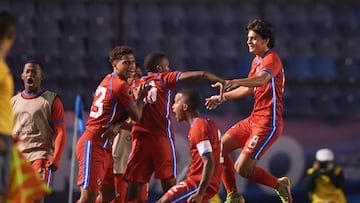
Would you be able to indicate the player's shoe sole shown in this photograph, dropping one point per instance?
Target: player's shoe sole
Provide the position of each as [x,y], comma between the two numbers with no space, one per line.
[234,197]
[284,190]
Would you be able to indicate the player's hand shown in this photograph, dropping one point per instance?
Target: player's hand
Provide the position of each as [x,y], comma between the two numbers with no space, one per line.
[195,198]
[141,91]
[220,86]
[230,85]
[111,130]
[52,166]
[215,100]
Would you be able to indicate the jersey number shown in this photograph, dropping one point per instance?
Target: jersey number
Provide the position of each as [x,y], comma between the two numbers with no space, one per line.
[99,99]
[221,147]
[152,94]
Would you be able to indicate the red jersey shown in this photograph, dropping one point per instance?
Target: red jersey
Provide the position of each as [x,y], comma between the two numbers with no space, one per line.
[111,98]
[268,105]
[204,137]
[157,114]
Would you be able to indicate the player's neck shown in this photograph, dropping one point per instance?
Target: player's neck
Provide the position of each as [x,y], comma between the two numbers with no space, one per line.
[263,53]
[191,116]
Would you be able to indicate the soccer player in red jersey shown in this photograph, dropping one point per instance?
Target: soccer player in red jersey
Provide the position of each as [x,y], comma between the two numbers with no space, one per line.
[39,122]
[121,149]
[113,102]
[153,140]
[203,178]
[256,133]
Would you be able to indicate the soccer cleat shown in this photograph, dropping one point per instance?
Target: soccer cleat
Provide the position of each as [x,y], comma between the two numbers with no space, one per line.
[234,197]
[215,199]
[284,191]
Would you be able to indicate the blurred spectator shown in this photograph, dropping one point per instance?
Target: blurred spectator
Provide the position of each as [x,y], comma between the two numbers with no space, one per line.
[324,181]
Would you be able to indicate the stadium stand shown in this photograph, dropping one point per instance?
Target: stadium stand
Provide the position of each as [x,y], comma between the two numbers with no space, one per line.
[317,42]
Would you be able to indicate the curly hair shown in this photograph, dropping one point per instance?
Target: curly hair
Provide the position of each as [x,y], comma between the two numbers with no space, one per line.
[264,29]
[118,52]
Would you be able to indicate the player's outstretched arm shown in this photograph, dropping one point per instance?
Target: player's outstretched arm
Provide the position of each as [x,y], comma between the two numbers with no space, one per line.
[215,100]
[189,76]
[261,79]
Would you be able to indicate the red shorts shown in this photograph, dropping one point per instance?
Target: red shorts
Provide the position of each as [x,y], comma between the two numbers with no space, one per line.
[184,189]
[253,140]
[39,166]
[95,165]
[149,154]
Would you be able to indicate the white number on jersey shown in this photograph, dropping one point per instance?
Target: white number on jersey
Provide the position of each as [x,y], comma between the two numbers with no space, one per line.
[152,94]
[175,188]
[99,96]
[221,147]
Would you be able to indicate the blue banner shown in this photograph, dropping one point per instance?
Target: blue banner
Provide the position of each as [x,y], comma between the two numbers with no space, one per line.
[79,113]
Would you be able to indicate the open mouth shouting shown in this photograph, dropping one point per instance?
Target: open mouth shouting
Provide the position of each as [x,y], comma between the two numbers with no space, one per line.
[30,82]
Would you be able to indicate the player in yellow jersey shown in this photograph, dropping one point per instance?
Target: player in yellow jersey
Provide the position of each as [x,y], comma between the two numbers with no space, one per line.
[7,38]
[15,171]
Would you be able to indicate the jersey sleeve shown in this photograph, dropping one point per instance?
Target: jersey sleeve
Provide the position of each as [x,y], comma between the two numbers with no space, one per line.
[204,147]
[201,137]
[60,129]
[57,110]
[271,64]
[122,93]
[171,79]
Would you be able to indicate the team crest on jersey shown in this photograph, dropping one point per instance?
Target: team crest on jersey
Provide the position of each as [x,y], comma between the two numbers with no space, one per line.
[129,92]
[98,181]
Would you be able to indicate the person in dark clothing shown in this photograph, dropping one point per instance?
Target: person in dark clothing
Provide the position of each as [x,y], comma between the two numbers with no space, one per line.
[324,181]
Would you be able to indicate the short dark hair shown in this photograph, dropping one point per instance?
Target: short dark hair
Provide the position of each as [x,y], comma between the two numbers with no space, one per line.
[36,62]
[118,52]
[192,98]
[152,60]
[7,25]
[264,29]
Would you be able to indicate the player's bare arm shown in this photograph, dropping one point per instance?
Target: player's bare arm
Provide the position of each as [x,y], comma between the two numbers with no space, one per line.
[261,79]
[189,76]
[215,100]
[208,170]
[113,129]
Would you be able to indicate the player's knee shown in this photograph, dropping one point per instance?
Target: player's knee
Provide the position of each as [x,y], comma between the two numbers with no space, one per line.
[242,170]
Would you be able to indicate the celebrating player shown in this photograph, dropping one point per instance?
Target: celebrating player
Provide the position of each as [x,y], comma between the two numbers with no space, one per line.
[153,145]
[39,122]
[203,178]
[256,133]
[113,102]
[121,150]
